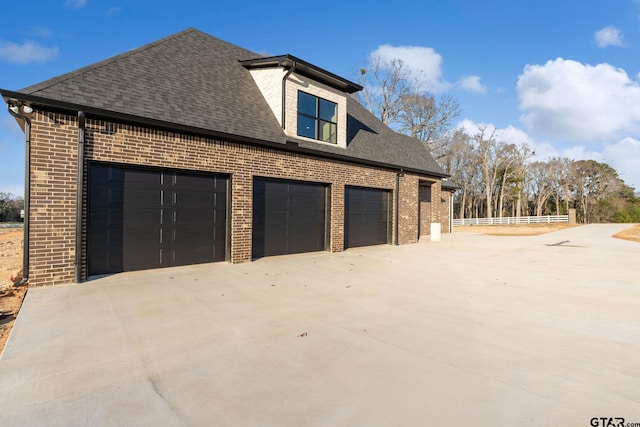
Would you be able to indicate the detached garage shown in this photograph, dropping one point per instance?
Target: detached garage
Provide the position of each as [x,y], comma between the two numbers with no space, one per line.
[147,218]
[367,217]
[246,156]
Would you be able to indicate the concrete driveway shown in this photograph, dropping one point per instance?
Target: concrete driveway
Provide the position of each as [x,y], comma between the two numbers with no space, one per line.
[472,330]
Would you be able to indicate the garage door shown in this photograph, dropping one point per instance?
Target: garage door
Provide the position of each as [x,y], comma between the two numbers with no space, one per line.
[140,219]
[288,217]
[367,214]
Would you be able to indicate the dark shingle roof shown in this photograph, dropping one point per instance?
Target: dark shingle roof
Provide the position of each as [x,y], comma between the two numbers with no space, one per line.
[449,186]
[195,80]
[189,78]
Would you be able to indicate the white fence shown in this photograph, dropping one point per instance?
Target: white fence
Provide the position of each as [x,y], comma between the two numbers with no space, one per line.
[511,220]
[11,225]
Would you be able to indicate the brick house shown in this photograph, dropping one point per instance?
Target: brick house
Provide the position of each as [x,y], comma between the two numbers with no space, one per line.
[192,150]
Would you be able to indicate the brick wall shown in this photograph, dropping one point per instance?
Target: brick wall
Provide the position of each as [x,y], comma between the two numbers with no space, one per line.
[54,140]
[436,194]
[445,200]
[53,175]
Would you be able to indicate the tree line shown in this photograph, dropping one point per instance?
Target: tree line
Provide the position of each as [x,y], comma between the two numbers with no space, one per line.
[496,178]
[10,207]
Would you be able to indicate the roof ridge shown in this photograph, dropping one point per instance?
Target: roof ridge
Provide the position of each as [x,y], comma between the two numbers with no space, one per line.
[97,65]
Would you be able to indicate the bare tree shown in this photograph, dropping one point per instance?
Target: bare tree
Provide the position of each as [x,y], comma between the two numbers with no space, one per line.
[399,100]
[429,119]
[385,85]
[487,148]
[459,163]
[544,182]
[10,207]
[513,160]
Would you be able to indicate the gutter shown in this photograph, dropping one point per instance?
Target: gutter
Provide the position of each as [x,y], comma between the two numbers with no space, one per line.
[79,184]
[284,94]
[27,191]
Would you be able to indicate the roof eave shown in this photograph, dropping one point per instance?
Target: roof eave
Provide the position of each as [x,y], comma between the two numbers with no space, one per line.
[304,68]
[289,144]
[64,106]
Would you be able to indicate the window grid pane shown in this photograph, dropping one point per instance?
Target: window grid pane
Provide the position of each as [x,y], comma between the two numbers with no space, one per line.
[307,104]
[328,110]
[327,132]
[307,126]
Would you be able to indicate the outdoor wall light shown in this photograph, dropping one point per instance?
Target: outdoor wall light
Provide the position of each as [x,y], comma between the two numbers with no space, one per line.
[14,108]
[26,109]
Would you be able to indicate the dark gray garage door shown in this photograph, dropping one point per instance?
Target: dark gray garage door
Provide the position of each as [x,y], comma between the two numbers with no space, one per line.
[140,219]
[367,214]
[288,217]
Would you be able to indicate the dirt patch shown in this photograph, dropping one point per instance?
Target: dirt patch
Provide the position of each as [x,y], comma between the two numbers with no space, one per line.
[10,266]
[513,230]
[10,301]
[10,255]
[631,233]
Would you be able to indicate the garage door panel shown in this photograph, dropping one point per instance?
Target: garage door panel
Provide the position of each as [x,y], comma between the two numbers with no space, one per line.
[133,259]
[198,217]
[137,178]
[366,216]
[141,219]
[146,217]
[138,197]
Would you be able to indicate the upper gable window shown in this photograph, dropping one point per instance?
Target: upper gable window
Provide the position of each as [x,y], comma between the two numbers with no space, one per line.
[317,118]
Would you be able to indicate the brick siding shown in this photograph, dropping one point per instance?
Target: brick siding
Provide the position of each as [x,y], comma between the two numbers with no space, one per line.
[53,184]
[445,203]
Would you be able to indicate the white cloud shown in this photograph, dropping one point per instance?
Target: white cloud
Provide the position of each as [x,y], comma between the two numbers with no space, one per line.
[423,63]
[570,100]
[580,152]
[608,36]
[39,31]
[26,52]
[472,84]
[424,66]
[75,4]
[510,134]
[622,156]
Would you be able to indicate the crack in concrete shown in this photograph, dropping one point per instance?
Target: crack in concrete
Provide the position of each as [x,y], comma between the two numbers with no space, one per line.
[562,243]
[171,406]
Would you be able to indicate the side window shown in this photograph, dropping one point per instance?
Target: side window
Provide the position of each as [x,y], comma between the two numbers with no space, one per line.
[317,118]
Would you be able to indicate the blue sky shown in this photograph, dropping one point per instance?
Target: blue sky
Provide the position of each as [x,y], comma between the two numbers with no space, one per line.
[562,76]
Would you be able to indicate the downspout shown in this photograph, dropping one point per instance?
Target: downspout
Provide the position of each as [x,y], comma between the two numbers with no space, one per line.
[397,203]
[284,94]
[79,185]
[27,191]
